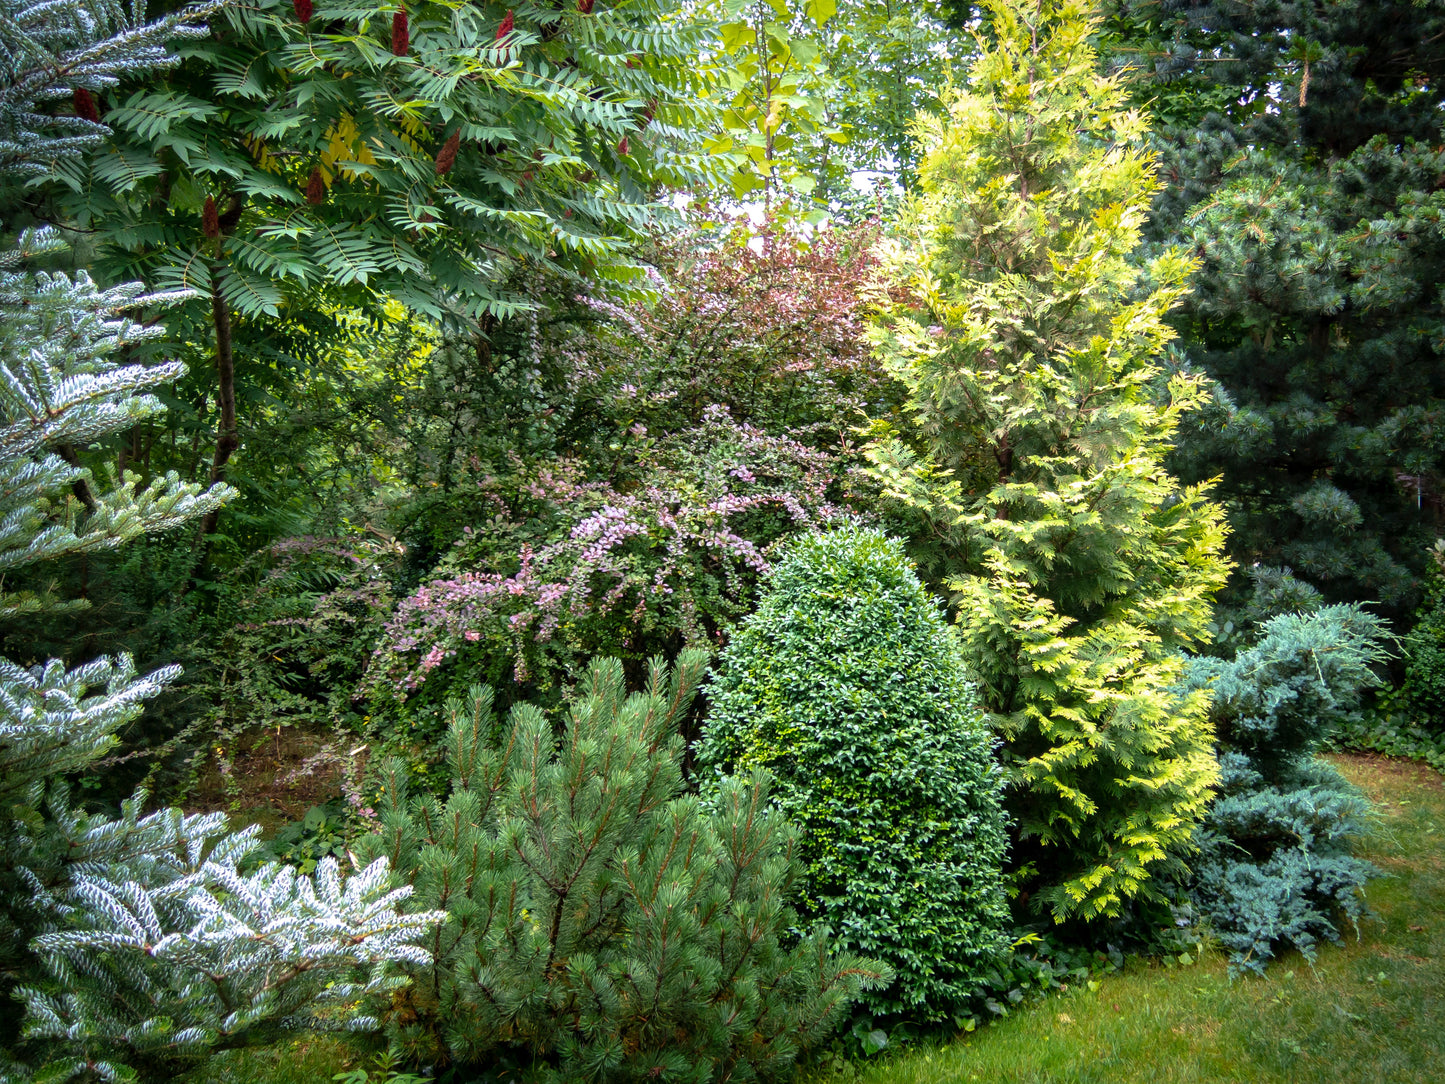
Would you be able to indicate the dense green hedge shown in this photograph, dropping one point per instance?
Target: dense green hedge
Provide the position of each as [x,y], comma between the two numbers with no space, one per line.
[848,685]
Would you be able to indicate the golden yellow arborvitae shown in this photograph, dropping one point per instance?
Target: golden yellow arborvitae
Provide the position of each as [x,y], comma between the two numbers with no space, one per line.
[1014,307]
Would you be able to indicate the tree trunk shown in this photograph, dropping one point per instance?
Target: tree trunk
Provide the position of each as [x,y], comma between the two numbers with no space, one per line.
[79,488]
[226,439]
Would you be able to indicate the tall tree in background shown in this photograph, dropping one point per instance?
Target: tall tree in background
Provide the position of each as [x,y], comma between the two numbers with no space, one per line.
[775,85]
[1304,169]
[892,60]
[1028,337]
[819,96]
[291,167]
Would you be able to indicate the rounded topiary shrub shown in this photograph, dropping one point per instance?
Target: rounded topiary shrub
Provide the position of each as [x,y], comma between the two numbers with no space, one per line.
[847,685]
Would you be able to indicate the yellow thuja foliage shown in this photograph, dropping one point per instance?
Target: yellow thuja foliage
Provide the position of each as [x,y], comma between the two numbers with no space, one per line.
[1013,304]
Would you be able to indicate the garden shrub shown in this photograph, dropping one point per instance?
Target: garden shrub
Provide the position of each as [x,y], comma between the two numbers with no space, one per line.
[1420,699]
[559,566]
[1382,731]
[298,621]
[604,925]
[288,640]
[759,320]
[1274,865]
[848,685]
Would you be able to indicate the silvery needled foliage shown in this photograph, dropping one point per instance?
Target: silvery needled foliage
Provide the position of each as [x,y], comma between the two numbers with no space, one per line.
[161,956]
[1028,337]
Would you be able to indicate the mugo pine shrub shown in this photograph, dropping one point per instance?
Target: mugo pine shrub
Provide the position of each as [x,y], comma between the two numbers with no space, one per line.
[1274,864]
[603,924]
[848,685]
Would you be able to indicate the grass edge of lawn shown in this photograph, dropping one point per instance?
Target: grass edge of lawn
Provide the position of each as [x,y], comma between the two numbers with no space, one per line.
[1370,1009]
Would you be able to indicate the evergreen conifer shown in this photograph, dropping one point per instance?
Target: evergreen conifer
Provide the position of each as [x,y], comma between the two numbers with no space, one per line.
[1275,865]
[605,925]
[1303,168]
[136,940]
[1028,337]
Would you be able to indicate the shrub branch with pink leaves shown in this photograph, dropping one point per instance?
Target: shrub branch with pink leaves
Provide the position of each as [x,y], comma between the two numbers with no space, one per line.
[668,559]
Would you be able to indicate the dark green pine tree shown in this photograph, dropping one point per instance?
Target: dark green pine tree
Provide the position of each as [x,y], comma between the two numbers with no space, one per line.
[603,924]
[1303,169]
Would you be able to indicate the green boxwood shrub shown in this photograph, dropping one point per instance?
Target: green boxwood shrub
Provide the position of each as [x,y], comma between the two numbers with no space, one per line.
[848,686]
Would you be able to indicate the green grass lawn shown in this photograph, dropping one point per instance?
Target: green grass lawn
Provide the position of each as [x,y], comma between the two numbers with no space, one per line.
[1372,1010]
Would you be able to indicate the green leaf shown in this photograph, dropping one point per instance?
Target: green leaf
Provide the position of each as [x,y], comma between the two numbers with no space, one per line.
[250,294]
[737,36]
[124,168]
[820,11]
[805,52]
[153,115]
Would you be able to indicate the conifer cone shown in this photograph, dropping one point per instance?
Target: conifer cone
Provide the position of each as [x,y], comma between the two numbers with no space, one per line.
[315,187]
[508,22]
[85,105]
[210,220]
[400,34]
[447,156]
[303,10]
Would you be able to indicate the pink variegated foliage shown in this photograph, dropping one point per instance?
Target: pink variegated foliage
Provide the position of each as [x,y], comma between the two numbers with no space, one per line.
[625,570]
[765,324]
[617,475]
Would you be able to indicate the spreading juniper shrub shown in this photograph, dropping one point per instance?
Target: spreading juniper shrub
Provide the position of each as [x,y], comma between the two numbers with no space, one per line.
[1275,866]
